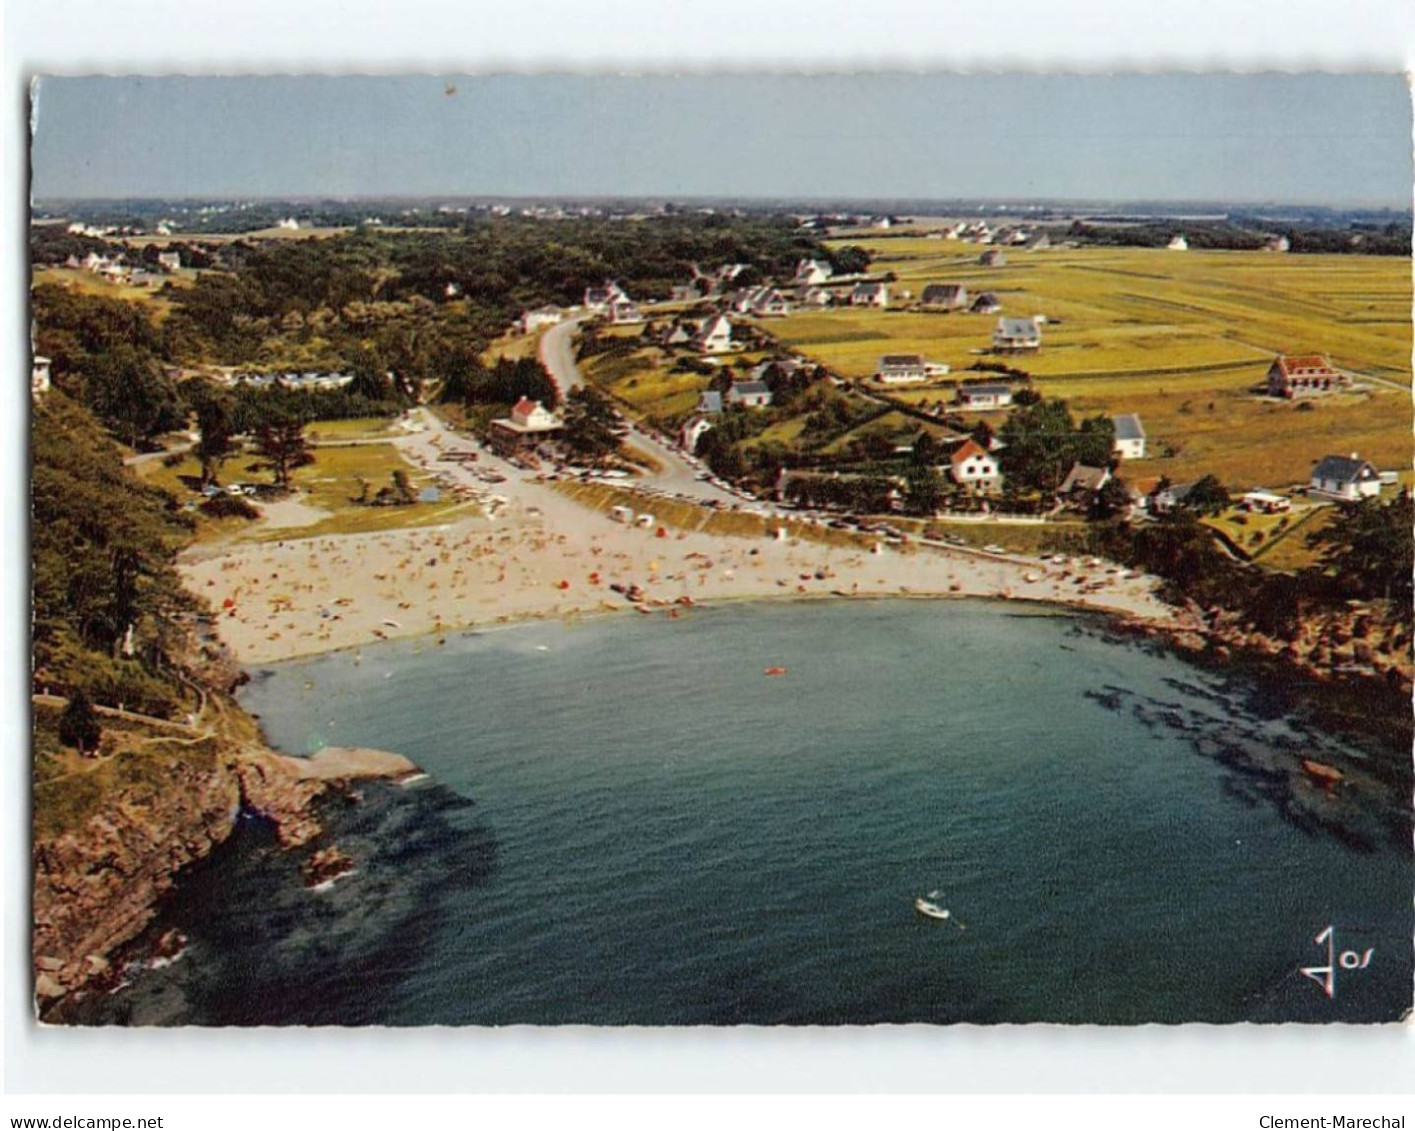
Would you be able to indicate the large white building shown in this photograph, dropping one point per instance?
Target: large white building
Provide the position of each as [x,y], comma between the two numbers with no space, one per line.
[1129,436]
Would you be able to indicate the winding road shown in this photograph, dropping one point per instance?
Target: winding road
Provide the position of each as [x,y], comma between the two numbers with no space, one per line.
[675,474]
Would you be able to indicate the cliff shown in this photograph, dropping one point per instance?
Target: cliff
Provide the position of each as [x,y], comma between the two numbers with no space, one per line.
[113,833]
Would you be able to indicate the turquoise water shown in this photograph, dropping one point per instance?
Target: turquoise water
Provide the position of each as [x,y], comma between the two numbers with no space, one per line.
[660,834]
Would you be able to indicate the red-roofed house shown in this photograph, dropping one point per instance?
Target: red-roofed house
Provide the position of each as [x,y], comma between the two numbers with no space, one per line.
[1305,376]
[529,423]
[974,467]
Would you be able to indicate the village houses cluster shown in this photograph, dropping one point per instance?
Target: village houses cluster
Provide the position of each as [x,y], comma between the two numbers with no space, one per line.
[972,465]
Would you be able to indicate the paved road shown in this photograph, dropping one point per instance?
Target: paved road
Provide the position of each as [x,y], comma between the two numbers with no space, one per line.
[676,475]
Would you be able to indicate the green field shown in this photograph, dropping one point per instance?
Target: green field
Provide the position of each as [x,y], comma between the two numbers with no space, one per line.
[1179,337]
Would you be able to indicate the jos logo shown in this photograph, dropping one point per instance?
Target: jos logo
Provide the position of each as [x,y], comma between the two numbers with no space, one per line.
[1325,976]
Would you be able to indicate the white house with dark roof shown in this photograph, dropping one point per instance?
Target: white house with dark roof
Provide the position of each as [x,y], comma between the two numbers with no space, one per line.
[1166,499]
[624,312]
[1016,334]
[870,293]
[533,320]
[901,369]
[986,303]
[1083,480]
[992,258]
[764,302]
[600,299]
[750,394]
[984,398]
[943,297]
[1129,436]
[1348,478]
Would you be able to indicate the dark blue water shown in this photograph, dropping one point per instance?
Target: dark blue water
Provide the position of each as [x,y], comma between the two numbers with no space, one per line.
[660,834]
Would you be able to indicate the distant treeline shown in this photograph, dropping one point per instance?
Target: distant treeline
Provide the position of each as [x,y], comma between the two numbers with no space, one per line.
[411,297]
[1391,238]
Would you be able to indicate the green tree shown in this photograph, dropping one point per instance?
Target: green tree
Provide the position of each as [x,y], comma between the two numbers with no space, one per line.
[1111,500]
[282,442]
[216,425]
[591,429]
[926,450]
[850,260]
[1368,547]
[370,377]
[924,493]
[1208,496]
[78,724]
[129,392]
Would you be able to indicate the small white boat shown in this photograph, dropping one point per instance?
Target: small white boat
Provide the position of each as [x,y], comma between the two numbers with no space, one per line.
[931,910]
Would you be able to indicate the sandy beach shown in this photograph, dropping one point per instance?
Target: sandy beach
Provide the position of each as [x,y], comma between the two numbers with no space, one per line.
[545,555]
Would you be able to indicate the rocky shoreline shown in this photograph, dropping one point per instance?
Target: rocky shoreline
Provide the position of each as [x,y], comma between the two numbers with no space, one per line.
[96,889]
[1356,643]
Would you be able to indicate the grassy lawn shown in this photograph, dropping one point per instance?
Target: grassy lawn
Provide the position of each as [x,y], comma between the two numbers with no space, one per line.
[368,428]
[1289,551]
[1015,537]
[331,483]
[1256,534]
[643,383]
[137,761]
[512,345]
[1355,309]
[675,515]
[86,282]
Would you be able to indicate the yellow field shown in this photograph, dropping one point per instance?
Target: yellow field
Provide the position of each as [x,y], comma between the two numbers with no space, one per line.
[1132,309]
[1179,337]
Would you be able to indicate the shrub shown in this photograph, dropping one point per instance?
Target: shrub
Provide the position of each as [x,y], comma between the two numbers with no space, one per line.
[229,506]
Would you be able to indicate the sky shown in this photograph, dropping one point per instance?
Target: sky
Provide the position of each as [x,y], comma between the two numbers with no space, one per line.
[1323,139]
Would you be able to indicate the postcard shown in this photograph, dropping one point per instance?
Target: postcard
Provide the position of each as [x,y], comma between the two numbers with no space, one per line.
[721,549]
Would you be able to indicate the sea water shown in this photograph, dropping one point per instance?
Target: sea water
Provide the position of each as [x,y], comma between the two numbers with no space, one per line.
[627,821]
